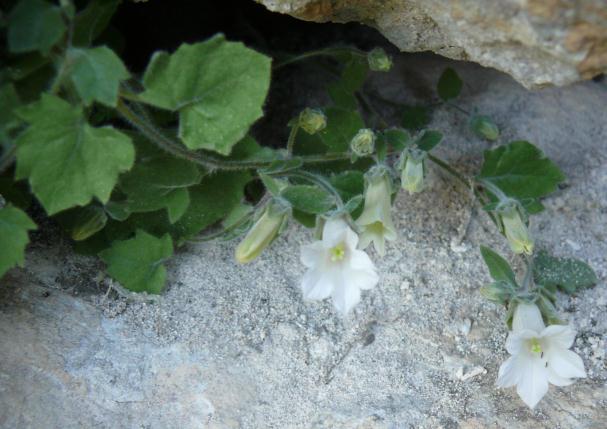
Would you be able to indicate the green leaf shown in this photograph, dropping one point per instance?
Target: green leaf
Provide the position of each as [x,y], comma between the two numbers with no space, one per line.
[96,74]
[342,125]
[568,274]
[14,225]
[498,292]
[499,268]
[428,140]
[67,161]
[34,25]
[91,21]
[352,79]
[416,117]
[8,120]
[274,186]
[210,201]
[349,184]
[158,182]
[83,222]
[138,263]
[449,84]
[249,149]
[218,88]
[521,171]
[398,138]
[308,198]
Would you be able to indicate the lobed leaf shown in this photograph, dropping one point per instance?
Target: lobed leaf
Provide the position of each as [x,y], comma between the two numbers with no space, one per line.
[14,227]
[568,274]
[67,161]
[218,88]
[521,171]
[96,74]
[138,263]
[34,25]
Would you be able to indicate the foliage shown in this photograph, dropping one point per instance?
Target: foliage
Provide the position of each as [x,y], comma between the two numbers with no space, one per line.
[131,166]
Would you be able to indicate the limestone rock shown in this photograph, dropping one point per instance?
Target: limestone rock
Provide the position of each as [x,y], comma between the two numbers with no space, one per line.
[538,42]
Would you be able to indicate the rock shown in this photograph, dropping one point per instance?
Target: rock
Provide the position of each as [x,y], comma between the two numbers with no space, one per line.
[538,42]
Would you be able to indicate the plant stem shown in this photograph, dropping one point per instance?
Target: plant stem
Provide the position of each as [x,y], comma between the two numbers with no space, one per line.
[442,164]
[329,52]
[528,275]
[291,140]
[455,106]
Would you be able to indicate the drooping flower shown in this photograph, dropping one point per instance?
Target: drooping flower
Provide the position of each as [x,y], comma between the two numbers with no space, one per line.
[375,221]
[540,355]
[336,268]
[263,232]
[411,165]
[516,232]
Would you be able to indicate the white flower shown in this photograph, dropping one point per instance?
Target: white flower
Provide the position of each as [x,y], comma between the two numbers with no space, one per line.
[336,268]
[375,222]
[540,355]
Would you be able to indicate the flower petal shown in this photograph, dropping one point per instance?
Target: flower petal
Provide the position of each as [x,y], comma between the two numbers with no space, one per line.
[351,238]
[516,341]
[560,336]
[366,237]
[363,279]
[312,254]
[316,285]
[345,296]
[565,363]
[359,260]
[533,382]
[334,232]
[556,379]
[527,316]
[509,373]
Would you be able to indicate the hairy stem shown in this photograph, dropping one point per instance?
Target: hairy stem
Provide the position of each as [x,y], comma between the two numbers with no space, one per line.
[291,140]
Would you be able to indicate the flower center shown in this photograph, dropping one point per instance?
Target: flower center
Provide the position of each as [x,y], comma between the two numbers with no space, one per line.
[536,347]
[338,252]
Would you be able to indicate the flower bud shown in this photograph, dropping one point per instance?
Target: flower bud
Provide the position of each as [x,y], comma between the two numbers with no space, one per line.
[90,220]
[484,127]
[312,120]
[412,173]
[363,143]
[516,231]
[375,221]
[379,60]
[262,233]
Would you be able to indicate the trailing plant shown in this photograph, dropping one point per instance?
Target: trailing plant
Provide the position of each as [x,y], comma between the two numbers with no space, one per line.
[133,167]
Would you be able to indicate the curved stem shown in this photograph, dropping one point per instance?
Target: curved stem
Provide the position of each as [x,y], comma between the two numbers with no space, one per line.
[291,140]
[442,164]
[329,52]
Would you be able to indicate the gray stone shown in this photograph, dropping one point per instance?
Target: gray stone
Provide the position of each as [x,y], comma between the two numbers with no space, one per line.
[538,42]
[230,346]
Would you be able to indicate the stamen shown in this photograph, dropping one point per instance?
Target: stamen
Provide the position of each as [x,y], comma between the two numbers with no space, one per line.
[536,347]
[338,252]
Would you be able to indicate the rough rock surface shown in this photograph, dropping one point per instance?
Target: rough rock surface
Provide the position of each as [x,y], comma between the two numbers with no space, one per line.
[233,346]
[538,42]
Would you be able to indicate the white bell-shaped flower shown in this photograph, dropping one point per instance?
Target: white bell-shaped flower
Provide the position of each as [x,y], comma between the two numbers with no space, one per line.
[540,355]
[375,222]
[336,268]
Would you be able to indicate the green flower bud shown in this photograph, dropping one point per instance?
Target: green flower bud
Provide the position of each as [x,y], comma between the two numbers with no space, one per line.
[484,127]
[262,233]
[379,60]
[89,220]
[412,174]
[516,232]
[312,120]
[363,143]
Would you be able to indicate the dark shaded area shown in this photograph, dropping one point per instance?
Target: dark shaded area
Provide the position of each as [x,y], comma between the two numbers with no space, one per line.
[164,25]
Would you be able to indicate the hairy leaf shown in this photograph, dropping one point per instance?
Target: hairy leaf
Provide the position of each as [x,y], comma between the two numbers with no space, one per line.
[568,274]
[352,78]
[159,182]
[308,198]
[34,25]
[342,125]
[218,88]
[67,161]
[138,263]
[398,138]
[428,140]
[14,227]
[498,267]
[349,184]
[416,117]
[96,73]
[521,171]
